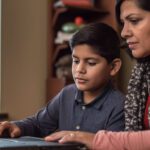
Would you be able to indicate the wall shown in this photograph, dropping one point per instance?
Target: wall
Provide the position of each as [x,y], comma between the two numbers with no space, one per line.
[110,7]
[25,28]
[0,55]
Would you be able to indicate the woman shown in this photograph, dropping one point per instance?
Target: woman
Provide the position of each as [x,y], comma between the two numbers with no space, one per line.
[136,32]
[134,18]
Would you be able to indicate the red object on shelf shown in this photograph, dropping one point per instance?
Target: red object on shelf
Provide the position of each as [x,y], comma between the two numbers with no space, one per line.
[79,20]
[83,3]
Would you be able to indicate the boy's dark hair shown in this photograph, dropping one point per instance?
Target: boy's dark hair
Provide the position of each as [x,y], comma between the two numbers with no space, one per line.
[101,37]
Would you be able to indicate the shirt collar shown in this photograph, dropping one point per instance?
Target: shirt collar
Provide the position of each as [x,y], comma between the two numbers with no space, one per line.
[79,96]
[98,101]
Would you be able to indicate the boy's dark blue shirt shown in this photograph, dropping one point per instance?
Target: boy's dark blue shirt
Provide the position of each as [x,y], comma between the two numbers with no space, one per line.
[67,111]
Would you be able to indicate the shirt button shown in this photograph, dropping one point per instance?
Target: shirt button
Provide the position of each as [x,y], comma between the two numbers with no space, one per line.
[78,127]
[83,107]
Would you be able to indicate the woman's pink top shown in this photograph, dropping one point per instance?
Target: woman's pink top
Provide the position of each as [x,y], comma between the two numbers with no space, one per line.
[140,140]
[107,140]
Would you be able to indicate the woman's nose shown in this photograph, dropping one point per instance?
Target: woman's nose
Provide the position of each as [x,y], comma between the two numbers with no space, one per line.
[126,31]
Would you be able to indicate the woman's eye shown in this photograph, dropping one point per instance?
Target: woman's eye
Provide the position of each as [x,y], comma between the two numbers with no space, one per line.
[134,21]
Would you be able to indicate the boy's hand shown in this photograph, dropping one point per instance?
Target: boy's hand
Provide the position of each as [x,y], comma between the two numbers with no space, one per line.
[57,136]
[12,129]
[72,136]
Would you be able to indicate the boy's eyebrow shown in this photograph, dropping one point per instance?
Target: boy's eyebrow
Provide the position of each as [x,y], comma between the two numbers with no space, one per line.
[87,58]
[74,56]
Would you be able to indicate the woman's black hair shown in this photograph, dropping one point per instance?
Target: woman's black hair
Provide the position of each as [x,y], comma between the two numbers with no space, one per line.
[101,37]
[117,9]
[143,4]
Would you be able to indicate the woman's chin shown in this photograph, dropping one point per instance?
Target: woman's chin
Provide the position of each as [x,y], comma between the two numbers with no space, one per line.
[139,55]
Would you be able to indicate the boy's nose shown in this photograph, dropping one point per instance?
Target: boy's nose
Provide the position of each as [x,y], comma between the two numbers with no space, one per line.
[81,68]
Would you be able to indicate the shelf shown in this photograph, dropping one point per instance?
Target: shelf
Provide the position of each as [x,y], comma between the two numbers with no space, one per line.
[61,49]
[89,14]
[54,85]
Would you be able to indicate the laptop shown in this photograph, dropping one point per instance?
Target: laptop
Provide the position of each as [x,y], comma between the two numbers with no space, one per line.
[34,143]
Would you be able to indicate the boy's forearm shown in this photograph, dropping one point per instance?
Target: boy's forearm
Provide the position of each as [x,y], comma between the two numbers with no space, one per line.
[28,127]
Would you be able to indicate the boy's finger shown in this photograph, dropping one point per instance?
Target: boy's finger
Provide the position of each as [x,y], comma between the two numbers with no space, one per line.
[52,137]
[3,126]
[56,136]
[15,133]
[68,138]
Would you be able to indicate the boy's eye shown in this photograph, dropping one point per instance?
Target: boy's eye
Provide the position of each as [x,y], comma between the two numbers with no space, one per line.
[92,63]
[75,61]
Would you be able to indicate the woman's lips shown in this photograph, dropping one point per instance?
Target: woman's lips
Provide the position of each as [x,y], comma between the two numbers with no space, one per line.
[132,45]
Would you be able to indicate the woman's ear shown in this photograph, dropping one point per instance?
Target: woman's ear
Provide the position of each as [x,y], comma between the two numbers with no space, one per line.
[115,66]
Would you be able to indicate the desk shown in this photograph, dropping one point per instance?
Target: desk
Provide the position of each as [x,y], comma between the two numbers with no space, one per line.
[33,143]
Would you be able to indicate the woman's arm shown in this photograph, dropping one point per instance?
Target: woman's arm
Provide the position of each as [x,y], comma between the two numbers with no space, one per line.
[107,140]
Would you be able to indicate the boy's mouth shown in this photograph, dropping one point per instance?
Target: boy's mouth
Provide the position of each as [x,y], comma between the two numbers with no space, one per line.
[80,80]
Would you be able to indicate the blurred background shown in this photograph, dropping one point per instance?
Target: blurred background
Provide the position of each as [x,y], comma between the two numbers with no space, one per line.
[35,56]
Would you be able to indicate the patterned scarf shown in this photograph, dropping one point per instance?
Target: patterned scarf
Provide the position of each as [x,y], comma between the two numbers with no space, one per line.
[137,95]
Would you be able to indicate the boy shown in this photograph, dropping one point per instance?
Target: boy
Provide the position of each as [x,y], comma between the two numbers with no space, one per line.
[91,104]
